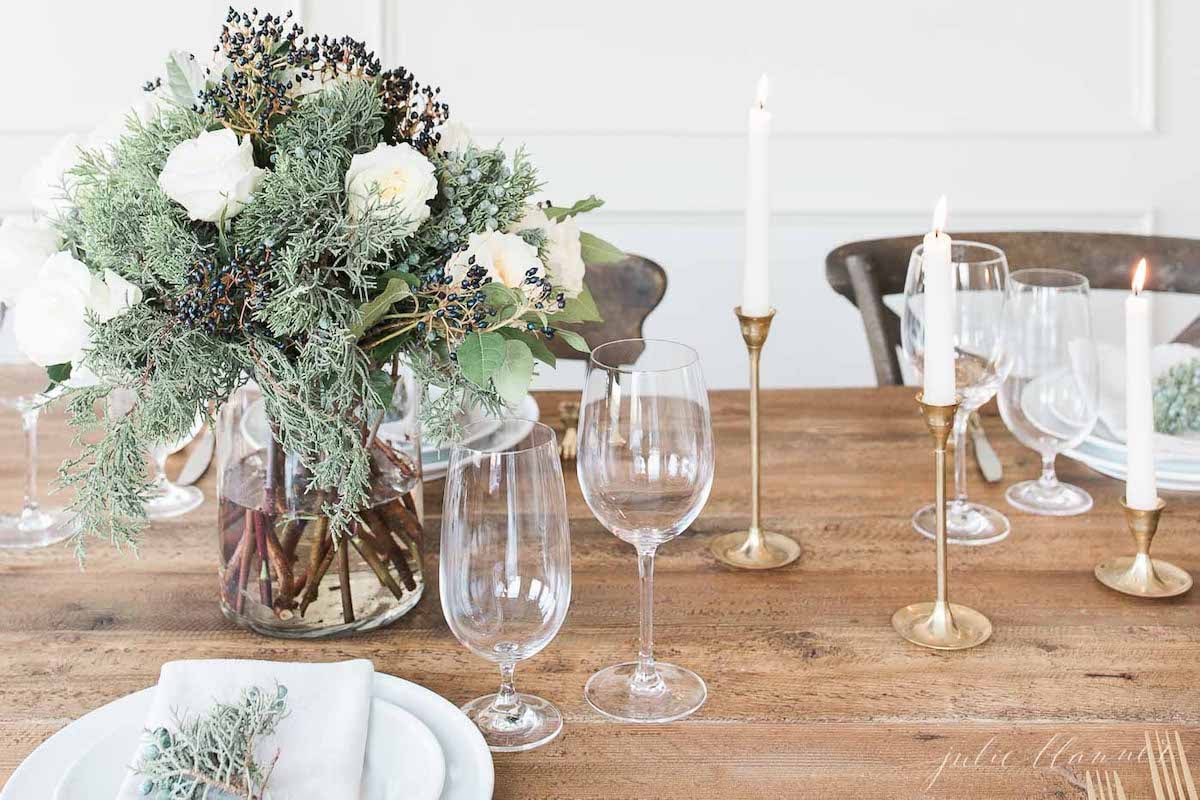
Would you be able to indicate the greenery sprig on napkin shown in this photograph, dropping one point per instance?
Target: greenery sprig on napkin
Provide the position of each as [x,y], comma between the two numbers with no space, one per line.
[1177,399]
[214,752]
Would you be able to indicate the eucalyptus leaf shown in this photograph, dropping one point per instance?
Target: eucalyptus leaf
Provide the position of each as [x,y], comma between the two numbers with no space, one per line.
[412,280]
[480,355]
[597,251]
[581,308]
[185,78]
[573,339]
[590,203]
[512,378]
[374,309]
[535,344]
[382,387]
[59,373]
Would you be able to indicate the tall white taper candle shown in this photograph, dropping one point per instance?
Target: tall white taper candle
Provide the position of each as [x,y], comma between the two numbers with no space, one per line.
[939,312]
[756,301]
[1140,489]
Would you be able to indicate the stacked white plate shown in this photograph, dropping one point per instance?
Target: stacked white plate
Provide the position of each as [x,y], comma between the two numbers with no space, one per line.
[419,747]
[1108,455]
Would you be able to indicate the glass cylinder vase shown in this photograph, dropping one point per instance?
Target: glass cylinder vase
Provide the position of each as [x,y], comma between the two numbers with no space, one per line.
[282,573]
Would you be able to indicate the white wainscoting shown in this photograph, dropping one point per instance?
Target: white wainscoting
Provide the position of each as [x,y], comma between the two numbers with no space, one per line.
[1048,114]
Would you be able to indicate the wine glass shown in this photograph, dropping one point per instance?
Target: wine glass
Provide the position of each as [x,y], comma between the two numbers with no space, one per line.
[165,499]
[1050,400]
[645,465]
[980,274]
[506,568]
[24,385]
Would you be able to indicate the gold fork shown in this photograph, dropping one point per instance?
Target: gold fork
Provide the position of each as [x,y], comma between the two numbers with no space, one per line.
[568,414]
[1111,780]
[1172,761]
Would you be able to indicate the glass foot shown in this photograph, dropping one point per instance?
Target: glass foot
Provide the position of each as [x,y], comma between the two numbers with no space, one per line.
[536,722]
[966,523]
[36,528]
[169,500]
[676,694]
[1057,500]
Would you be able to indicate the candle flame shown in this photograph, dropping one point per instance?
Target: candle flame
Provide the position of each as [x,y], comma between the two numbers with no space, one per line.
[1139,277]
[760,96]
[939,215]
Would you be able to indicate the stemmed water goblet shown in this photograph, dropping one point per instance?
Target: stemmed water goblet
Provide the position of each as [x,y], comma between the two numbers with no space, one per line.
[1050,399]
[645,465]
[165,499]
[980,274]
[506,568]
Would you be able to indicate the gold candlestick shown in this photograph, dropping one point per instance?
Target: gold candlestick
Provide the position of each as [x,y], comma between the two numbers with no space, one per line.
[1140,575]
[754,548]
[941,625]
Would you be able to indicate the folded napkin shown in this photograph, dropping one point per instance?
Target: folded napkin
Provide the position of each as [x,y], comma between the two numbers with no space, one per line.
[1112,395]
[321,741]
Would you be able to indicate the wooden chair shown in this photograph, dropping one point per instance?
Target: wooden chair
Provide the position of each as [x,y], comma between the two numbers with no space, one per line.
[625,292]
[864,272]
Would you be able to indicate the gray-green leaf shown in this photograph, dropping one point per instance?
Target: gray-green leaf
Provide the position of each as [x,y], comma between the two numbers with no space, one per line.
[573,339]
[581,308]
[536,346]
[512,378]
[590,203]
[374,309]
[185,78]
[597,251]
[480,355]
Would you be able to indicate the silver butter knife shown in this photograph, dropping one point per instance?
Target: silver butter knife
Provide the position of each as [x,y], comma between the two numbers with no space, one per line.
[197,460]
[985,456]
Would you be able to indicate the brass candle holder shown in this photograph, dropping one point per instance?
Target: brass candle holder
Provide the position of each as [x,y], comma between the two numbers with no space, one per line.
[1140,575]
[754,548]
[941,625]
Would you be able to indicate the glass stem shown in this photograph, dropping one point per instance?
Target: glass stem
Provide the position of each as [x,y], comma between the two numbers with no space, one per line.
[1048,480]
[646,679]
[160,466]
[960,455]
[507,701]
[29,421]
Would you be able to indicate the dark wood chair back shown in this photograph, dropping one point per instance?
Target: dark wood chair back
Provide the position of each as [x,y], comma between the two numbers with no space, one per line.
[626,292]
[865,272]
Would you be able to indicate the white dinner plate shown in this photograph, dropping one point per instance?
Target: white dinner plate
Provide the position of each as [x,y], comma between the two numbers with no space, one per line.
[403,760]
[468,763]
[435,463]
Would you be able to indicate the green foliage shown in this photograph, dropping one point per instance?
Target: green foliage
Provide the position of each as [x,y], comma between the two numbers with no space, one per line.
[597,251]
[1177,399]
[214,752]
[590,203]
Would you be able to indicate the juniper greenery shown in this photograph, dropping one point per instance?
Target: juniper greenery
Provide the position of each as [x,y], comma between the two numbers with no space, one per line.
[1177,399]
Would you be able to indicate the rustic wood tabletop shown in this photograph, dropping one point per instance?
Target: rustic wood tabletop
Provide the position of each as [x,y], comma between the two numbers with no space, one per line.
[811,692]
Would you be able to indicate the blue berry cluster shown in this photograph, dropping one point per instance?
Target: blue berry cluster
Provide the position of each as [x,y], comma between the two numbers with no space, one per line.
[414,112]
[223,294]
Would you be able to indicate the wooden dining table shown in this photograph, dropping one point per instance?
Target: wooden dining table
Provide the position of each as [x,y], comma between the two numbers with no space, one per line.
[811,691]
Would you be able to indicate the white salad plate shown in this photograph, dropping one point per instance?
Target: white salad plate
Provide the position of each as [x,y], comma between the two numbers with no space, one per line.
[417,743]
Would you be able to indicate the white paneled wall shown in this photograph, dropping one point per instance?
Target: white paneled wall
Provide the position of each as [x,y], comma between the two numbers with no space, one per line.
[1027,113]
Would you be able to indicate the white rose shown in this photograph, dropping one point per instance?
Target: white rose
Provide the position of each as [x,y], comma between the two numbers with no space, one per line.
[212,176]
[146,108]
[564,253]
[47,184]
[116,298]
[455,138]
[25,244]
[564,256]
[505,258]
[50,320]
[393,179]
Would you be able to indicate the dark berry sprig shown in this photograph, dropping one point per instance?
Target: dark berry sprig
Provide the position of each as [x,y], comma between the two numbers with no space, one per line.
[414,112]
[223,294]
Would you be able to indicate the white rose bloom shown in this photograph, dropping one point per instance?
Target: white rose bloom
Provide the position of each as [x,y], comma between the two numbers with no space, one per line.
[456,138]
[534,218]
[212,176]
[25,244]
[47,184]
[506,257]
[393,179]
[564,256]
[50,320]
[116,298]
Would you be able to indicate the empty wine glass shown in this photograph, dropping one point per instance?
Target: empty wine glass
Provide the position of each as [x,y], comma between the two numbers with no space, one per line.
[980,273]
[645,465]
[506,568]
[1050,399]
[32,525]
[165,499]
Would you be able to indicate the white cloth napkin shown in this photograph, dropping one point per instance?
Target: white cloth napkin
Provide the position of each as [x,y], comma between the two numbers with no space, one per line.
[1112,395]
[322,740]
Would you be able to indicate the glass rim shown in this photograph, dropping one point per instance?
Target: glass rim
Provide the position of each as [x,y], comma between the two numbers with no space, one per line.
[534,425]
[997,256]
[693,356]
[1067,279]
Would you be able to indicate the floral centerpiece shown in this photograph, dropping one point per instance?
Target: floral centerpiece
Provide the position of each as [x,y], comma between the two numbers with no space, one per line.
[295,218]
